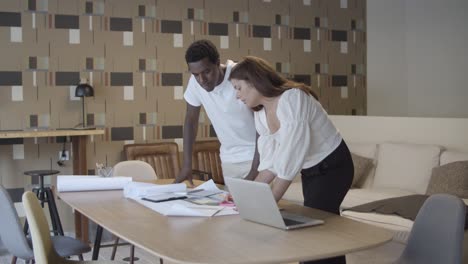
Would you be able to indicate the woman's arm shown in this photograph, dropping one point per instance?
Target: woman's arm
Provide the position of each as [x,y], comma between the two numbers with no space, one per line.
[279,186]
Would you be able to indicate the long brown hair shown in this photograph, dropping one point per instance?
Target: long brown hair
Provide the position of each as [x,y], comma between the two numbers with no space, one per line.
[265,79]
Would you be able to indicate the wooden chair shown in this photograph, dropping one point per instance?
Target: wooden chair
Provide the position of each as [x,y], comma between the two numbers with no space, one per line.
[163,157]
[205,159]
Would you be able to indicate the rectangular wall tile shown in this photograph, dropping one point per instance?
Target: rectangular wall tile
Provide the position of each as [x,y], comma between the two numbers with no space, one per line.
[11,141]
[339,80]
[339,35]
[11,78]
[67,78]
[121,133]
[301,33]
[171,79]
[10,19]
[121,24]
[171,26]
[172,132]
[67,21]
[261,31]
[303,78]
[218,29]
[18,151]
[121,78]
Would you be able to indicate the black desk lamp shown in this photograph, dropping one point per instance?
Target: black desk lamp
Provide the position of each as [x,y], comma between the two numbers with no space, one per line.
[84,90]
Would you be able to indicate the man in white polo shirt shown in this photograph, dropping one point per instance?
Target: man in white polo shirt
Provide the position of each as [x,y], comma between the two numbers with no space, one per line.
[233,121]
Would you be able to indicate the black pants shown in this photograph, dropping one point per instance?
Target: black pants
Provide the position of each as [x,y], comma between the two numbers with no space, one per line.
[325,185]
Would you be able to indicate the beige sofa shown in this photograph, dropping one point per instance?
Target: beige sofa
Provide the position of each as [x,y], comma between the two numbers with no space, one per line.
[403,152]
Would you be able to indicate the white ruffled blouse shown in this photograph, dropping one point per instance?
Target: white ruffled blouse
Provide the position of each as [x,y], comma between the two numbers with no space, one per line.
[306,135]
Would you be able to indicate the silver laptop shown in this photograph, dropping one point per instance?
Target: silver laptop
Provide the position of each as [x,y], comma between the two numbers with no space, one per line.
[256,203]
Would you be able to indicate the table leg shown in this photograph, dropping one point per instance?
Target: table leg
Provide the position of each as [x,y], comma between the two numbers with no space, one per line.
[80,168]
[97,243]
[78,231]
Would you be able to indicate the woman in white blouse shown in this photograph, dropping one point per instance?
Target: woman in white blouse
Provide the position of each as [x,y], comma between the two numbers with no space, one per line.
[295,135]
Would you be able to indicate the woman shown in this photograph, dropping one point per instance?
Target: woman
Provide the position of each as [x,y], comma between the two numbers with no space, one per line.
[295,134]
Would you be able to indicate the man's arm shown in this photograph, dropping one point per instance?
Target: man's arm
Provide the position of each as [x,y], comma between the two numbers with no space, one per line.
[190,133]
[255,162]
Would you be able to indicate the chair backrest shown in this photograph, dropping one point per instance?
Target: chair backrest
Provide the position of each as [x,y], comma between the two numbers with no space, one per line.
[11,231]
[437,233]
[163,157]
[44,251]
[205,157]
[137,169]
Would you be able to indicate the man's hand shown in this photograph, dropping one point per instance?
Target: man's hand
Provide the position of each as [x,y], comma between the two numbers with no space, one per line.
[252,175]
[185,174]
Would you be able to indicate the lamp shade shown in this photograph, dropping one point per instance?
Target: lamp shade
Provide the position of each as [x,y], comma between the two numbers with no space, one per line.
[84,90]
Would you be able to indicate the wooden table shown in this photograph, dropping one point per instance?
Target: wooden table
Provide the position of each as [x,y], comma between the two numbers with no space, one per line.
[78,138]
[224,239]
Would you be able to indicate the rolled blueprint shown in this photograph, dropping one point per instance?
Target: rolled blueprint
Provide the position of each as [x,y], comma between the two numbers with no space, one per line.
[73,183]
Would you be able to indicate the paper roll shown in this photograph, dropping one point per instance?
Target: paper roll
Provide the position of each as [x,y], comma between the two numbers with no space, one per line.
[73,183]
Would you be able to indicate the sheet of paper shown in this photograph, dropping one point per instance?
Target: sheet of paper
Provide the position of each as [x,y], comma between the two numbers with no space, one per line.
[208,186]
[184,208]
[142,189]
[203,201]
[207,189]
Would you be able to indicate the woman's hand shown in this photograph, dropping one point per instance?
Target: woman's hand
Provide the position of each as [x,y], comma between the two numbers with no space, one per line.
[228,198]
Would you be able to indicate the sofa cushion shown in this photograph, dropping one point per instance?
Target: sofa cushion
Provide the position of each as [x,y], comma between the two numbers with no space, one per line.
[451,178]
[356,197]
[367,150]
[449,156]
[405,166]
[362,166]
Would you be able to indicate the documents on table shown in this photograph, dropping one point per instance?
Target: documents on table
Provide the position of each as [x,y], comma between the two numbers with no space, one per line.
[141,189]
[174,200]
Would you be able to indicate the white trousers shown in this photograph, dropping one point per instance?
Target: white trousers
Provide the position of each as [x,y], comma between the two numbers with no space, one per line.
[236,170]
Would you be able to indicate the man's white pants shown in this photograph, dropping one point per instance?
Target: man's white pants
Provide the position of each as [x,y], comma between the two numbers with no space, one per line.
[236,170]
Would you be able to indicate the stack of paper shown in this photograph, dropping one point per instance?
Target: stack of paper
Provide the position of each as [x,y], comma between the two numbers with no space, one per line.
[141,189]
[172,201]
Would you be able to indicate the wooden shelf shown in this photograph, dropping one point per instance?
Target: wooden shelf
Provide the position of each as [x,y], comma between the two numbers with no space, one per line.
[49,133]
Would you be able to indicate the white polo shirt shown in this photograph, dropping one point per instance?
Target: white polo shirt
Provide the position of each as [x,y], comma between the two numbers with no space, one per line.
[232,120]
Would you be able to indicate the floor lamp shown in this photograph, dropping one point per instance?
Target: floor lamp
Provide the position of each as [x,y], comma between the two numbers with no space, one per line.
[84,90]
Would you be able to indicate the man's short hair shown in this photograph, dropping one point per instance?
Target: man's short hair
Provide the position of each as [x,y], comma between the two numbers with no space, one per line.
[201,49]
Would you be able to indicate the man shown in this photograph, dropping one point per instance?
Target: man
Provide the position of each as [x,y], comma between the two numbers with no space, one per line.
[233,122]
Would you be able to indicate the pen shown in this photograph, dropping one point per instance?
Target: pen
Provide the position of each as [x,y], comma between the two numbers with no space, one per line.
[164,200]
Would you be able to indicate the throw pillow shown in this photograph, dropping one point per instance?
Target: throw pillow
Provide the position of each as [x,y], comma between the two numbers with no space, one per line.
[405,166]
[451,178]
[362,166]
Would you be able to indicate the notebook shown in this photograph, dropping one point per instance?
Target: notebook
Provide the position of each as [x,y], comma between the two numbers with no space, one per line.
[256,203]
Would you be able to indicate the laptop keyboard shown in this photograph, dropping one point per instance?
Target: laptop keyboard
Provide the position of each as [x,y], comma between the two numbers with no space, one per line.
[290,222]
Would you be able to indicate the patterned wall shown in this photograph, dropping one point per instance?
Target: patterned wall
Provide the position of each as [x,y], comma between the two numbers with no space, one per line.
[132,52]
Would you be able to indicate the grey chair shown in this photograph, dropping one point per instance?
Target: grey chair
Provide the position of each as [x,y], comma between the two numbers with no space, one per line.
[437,233]
[19,245]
